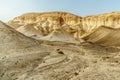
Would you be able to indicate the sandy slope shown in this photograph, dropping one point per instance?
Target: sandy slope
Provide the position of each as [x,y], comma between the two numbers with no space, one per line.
[14,45]
[23,58]
[59,35]
[10,39]
[31,31]
[104,36]
[67,62]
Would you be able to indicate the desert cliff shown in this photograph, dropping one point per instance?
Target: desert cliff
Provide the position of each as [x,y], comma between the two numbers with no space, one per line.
[25,58]
[60,46]
[78,27]
[48,22]
[107,19]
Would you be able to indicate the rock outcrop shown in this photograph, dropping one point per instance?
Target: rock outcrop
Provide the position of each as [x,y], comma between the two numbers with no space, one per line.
[78,27]
[47,22]
[103,35]
[108,19]
[24,58]
[102,29]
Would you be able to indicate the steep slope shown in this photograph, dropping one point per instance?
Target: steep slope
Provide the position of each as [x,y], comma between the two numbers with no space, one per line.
[11,37]
[31,60]
[102,29]
[45,22]
[111,19]
[18,51]
[13,43]
[75,26]
[31,31]
[59,18]
[59,35]
[104,35]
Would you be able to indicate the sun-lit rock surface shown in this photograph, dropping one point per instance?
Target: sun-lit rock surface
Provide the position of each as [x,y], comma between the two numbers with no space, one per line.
[104,35]
[25,58]
[108,19]
[45,23]
[102,29]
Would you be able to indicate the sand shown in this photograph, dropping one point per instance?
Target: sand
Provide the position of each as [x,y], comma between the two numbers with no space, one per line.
[24,58]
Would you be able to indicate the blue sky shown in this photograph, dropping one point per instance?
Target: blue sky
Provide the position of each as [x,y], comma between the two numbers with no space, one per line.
[12,8]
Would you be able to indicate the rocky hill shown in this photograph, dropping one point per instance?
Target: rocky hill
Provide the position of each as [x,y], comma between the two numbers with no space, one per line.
[24,58]
[11,38]
[40,25]
[111,20]
[102,29]
[48,22]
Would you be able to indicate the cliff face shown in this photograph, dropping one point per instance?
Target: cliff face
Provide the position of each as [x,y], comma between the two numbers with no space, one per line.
[48,21]
[53,17]
[108,19]
[77,27]
[102,29]
[24,58]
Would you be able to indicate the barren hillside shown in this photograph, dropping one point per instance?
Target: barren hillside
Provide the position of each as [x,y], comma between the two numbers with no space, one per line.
[79,28]
[59,58]
[102,29]
[24,58]
[47,22]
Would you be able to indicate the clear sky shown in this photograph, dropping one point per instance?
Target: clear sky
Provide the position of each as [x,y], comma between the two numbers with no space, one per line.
[11,8]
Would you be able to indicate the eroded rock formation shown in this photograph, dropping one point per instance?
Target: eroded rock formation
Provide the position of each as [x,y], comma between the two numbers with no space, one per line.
[24,58]
[102,29]
[77,27]
[108,19]
[47,22]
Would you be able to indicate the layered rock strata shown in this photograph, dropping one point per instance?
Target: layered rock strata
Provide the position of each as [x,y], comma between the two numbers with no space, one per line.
[77,27]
